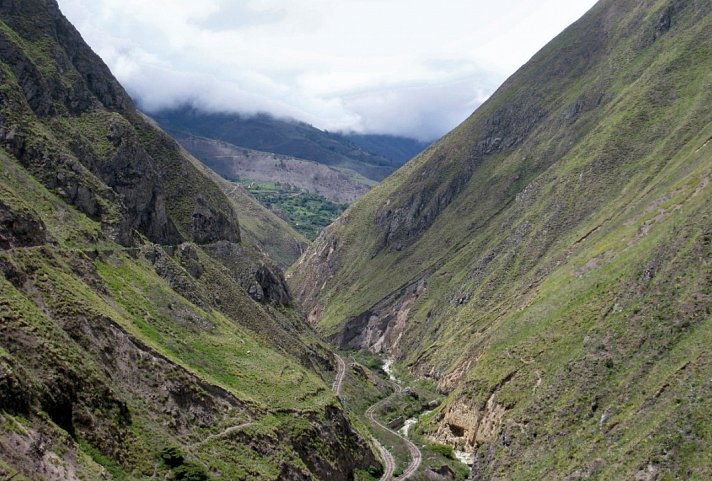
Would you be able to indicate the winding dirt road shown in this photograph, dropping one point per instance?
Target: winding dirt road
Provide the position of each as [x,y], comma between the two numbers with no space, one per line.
[336,387]
[390,463]
[388,460]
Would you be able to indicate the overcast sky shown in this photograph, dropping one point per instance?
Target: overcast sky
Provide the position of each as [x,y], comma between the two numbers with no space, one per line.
[404,67]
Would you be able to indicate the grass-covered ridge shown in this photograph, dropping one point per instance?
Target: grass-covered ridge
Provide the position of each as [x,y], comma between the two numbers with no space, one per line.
[547,262]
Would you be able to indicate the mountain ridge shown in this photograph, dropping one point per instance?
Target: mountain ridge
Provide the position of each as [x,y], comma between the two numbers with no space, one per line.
[234,162]
[286,137]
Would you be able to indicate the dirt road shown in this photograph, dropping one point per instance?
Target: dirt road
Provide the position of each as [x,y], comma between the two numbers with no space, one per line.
[388,460]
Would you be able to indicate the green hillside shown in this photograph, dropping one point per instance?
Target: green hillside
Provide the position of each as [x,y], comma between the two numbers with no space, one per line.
[549,262]
[142,336]
[281,242]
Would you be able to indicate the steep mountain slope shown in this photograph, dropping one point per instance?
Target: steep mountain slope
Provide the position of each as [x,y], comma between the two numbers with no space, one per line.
[268,134]
[260,227]
[140,333]
[549,262]
[239,163]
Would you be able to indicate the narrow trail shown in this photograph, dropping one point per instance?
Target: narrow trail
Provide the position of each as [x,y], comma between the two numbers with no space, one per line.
[336,387]
[390,464]
[222,434]
[232,191]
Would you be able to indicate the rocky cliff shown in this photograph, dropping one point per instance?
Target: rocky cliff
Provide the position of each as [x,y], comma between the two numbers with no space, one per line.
[547,263]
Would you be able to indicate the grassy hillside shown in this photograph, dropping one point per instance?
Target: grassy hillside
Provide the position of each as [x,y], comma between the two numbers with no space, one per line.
[276,237]
[548,262]
[276,240]
[308,213]
[141,335]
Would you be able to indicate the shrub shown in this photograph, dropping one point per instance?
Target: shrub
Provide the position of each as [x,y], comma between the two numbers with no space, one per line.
[190,472]
[172,456]
[443,450]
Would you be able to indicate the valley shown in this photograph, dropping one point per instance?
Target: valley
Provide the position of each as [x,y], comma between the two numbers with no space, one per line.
[404,455]
[307,213]
[249,297]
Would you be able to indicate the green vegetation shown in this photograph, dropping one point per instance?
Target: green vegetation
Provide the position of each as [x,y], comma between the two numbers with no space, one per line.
[190,472]
[443,450]
[172,456]
[207,342]
[307,213]
[182,470]
[116,472]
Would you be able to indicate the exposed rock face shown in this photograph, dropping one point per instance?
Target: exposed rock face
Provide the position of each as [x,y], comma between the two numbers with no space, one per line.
[130,172]
[208,226]
[20,229]
[317,462]
[106,150]
[467,427]
[381,328]
[264,283]
[273,285]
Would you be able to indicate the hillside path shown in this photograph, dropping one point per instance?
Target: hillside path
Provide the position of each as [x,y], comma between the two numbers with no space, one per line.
[336,387]
[223,434]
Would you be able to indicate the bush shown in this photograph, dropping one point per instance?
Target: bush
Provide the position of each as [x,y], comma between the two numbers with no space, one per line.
[190,472]
[172,456]
[443,450]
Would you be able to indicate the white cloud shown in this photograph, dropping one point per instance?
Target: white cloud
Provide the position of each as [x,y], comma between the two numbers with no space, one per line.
[410,67]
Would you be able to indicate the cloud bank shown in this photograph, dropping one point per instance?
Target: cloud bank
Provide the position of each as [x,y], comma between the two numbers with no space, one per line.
[405,67]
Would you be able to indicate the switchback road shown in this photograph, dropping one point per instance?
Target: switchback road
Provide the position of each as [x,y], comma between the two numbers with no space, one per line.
[390,465]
